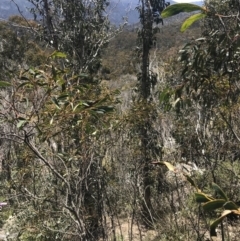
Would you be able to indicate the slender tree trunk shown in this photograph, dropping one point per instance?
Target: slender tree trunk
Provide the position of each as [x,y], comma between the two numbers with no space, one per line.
[145,95]
[148,7]
[49,24]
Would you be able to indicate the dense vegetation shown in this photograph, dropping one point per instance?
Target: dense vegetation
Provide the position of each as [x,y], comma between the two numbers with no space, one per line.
[102,127]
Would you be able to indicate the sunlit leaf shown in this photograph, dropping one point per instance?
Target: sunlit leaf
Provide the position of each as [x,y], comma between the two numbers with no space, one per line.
[31,71]
[51,121]
[85,104]
[21,123]
[214,225]
[189,21]
[100,111]
[58,54]
[105,108]
[237,212]
[179,8]
[167,164]
[55,101]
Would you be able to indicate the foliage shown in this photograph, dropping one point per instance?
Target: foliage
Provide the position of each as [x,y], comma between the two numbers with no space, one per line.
[83,170]
[18,46]
[185,7]
[205,100]
[209,203]
[79,28]
[63,110]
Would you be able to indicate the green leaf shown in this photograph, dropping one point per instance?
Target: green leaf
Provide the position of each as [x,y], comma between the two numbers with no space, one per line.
[213,205]
[63,96]
[190,180]
[189,21]
[230,206]
[55,101]
[219,191]
[202,197]
[58,54]
[179,8]
[25,83]
[165,95]
[4,84]
[214,225]
[24,78]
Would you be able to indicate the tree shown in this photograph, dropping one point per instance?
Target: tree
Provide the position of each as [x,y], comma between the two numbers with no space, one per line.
[79,28]
[52,123]
[147,81]
[206,97]
[55,124]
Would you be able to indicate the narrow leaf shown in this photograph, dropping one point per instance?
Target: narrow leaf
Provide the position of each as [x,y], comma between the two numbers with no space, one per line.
[57,54]
[4,84]
[214,225]
[190,180]
[80,104]
[202,197]
[219,191]
[105,108]
[24,78]
[189,21]
[213,205]
[230,206]
[62,97]
[24,83]
[55,101]
[167,164]
[237,212]
[179,8]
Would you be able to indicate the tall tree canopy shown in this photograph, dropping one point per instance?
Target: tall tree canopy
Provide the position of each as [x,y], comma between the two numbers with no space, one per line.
[79,27]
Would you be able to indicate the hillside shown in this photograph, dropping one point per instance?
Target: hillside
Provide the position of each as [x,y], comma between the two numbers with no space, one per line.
[120,56]
[120,134]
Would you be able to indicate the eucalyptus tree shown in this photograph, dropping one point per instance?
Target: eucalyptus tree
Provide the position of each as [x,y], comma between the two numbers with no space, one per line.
[53,126]
[53,118]
[149,14]
[79,28]
[207,97]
